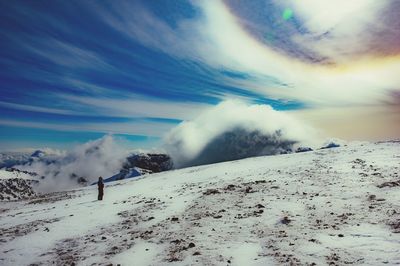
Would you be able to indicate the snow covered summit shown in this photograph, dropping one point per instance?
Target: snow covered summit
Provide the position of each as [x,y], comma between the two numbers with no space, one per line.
[333,206]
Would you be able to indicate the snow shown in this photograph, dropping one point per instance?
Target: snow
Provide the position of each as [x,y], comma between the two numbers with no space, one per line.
[320,207]
[129,173]
[15,185]
[16,174]
[142,253]
[246,254]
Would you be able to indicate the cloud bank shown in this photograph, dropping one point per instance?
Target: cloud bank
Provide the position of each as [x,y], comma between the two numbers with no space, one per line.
[235,130]
[102,157]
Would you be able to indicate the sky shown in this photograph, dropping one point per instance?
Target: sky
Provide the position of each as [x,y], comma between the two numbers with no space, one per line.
[74,71]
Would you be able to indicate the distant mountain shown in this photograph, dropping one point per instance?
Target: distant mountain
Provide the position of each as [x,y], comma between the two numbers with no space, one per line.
[331,145]
[141,164]
[154,162]
[54,166]
[127,173]
[38,154]
[10,159]
[240,143]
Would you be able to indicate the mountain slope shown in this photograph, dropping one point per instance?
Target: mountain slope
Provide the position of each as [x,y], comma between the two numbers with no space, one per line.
[333,206]
[16,184]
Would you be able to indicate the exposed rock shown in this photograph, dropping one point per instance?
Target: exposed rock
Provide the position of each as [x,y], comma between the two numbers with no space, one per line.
[395,225]
[211,191]
[16,189]
[286,220]
[82,181]
[303,149]
[390,184]
[151,161]
[331,145]
[371,197]
[230,187]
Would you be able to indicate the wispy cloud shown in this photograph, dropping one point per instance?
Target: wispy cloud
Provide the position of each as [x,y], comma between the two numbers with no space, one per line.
[41,109]
[140,106]
[66,54]
[145,128]
[339,30]
[363,82]
[137,22]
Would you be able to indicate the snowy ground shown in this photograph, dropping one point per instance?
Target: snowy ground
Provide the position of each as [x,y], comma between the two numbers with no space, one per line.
[17,185]
[16,174]
[329,207]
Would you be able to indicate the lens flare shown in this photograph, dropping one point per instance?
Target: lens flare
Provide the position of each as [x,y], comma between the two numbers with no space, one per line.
[287,14]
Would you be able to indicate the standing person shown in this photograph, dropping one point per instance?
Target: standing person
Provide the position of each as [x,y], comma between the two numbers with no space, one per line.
[100,186]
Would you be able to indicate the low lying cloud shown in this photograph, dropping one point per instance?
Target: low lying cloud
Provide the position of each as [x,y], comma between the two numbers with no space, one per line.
[102,157]
[235,130]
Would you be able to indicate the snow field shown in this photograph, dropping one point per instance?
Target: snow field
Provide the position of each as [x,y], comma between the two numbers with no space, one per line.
[315,208]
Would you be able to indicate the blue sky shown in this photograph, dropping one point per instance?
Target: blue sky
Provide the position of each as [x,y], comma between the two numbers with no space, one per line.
[72,71]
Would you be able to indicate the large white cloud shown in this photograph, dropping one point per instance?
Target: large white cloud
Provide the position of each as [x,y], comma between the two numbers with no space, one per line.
[217,132]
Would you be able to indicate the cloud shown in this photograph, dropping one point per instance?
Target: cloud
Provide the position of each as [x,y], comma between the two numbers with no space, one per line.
[145,58]
[102,157]
[320,16]
[136,21]
[234,130]
[145,128]
[342,30]
[67,55]
[137,106]
[354,123]
[28,107]
[367,80]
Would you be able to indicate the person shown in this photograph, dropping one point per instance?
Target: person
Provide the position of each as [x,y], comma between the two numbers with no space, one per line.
[100,186]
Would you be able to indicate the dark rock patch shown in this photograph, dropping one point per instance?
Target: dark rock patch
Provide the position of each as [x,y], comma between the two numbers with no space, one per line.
[390,184]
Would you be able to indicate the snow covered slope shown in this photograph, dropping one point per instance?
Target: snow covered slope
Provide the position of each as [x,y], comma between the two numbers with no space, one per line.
[17,189]
[127,173]
[15,173]
[333,206]
[16,184]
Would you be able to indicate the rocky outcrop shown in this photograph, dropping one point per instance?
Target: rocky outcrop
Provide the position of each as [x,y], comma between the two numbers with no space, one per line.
[153,162]
[141,164]
[303,149]
[16,189]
